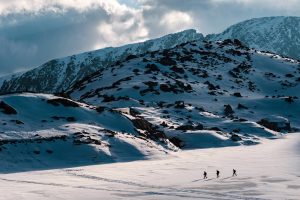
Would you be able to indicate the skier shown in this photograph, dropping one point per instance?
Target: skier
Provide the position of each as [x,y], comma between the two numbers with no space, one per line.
[204,175]
[218,173]
[234,172]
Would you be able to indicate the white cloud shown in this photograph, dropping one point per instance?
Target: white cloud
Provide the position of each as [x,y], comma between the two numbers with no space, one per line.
[176,20]
[59,28]
[35,6]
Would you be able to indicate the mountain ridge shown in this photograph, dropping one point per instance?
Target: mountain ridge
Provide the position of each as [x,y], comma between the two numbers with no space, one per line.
[58,74]
[278,34]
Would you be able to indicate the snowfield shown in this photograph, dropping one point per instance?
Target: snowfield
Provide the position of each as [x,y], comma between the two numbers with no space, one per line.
[266,171]
[144,121]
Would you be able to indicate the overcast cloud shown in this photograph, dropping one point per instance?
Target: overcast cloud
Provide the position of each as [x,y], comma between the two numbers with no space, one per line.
[34,31]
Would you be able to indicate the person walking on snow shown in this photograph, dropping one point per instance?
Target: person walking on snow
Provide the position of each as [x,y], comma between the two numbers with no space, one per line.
[204,175]
[218,173]
[234,172]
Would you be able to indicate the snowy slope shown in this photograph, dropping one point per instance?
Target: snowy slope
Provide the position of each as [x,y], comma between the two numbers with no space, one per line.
[46,131]
[266,171]
[203,94]
[280,35]
[58,74]
[196,95]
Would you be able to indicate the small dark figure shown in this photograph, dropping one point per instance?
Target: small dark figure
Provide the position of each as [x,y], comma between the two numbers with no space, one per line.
[234,172]
[204,175]
[218,173]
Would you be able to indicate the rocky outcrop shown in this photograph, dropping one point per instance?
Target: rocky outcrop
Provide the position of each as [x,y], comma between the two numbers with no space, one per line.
[63,101]
[7,109]
[148,130]
[276,123]
[228,110]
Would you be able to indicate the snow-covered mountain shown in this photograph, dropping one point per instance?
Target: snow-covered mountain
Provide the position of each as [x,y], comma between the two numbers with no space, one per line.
[198,94]
[202,94]
[58,74]
[280,35]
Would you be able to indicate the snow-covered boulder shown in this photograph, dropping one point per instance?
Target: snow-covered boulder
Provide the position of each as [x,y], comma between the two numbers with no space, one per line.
[276,123]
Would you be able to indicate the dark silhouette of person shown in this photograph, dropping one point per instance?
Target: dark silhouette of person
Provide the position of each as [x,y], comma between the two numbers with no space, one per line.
[204,175]
[234,172]
[218,173]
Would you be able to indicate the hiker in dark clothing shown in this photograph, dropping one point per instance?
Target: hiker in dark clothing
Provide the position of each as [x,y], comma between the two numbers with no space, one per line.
[218,173]
[204,175]
[234,172]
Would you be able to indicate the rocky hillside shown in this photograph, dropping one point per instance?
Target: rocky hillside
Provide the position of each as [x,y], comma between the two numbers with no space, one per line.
[58,132]
[202,94]
[196,95]
[280,35]
[58,74]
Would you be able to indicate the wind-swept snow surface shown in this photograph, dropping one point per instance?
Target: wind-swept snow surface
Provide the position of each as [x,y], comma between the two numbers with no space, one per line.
[266,171]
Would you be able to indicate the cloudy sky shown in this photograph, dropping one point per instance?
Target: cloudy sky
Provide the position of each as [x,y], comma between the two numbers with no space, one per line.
[34,31]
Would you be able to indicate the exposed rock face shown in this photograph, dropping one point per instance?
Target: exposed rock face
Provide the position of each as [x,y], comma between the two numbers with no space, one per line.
[7,109]
[63,101]
[276,123]
[235,137]
[177,142]
[228,110]
[149,130]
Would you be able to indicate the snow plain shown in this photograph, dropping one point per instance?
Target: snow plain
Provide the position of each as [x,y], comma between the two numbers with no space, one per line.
[266,171]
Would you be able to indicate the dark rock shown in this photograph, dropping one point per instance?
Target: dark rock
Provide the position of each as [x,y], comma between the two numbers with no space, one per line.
[100,109]
[17,122]
[49,151]
[177,142]
[62,101]
[107,98]
[215,129]
[130,57]
[241,106]
[228,110]
[36,152]
[150,84]
[134,112]
[179,104]
[211,86]
[289,75]
[190,127]
[165,88]
[71,119]
[177,69]
[276,123]
[136,87]
[152,68]
[150,131]
[167,61]
[7,109]
[164,124]
[289,99]
[235,137]
[237,94]
[57,118]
